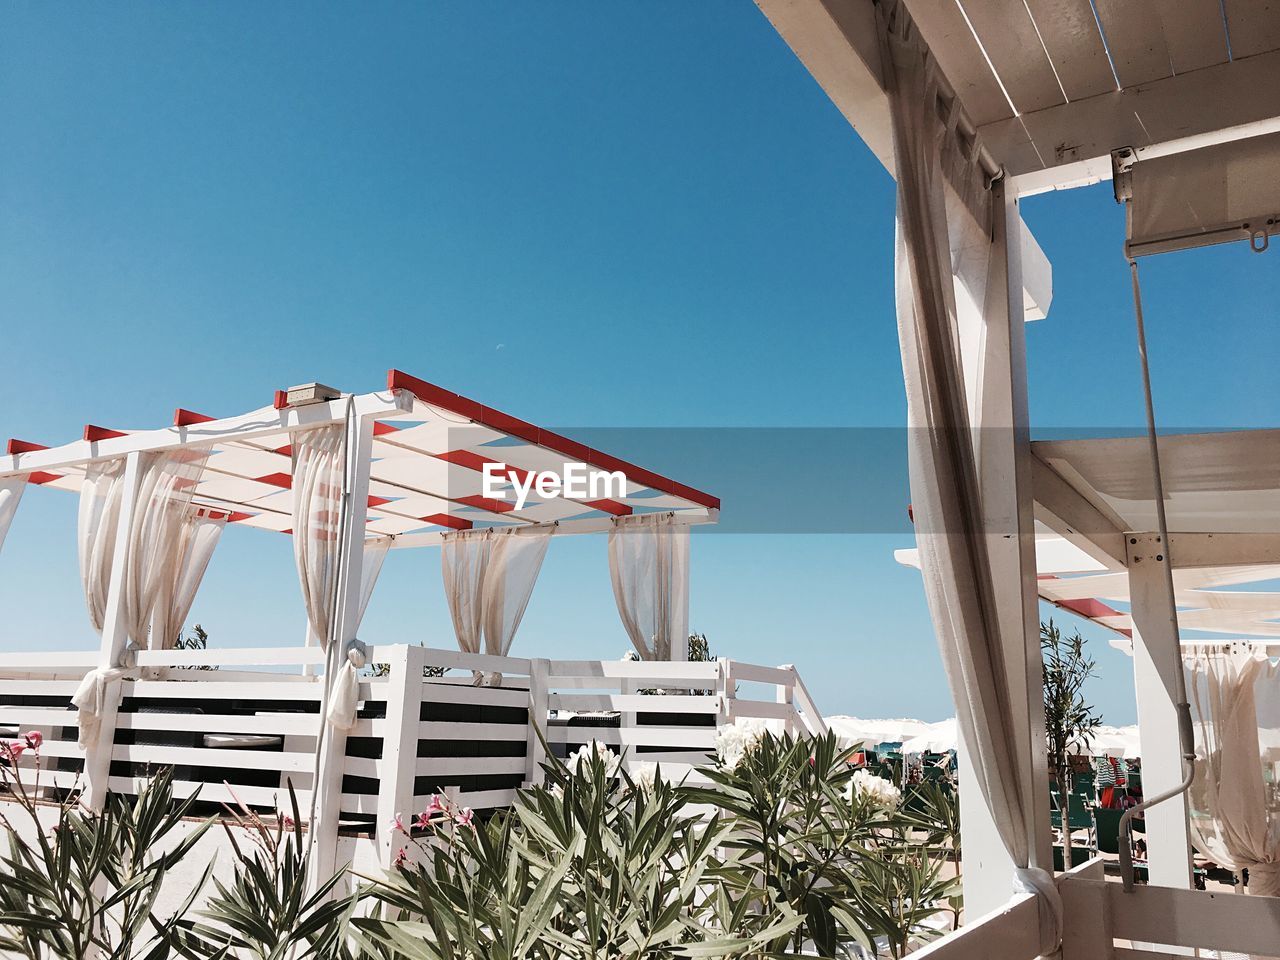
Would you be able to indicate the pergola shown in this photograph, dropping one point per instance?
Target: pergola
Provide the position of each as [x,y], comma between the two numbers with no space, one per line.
[972,105]
[348,477]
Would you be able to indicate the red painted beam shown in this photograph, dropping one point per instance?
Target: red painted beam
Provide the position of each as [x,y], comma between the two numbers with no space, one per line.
[276,480]
[93,434]
[40,476]
[24,446]
[188,418]
[444,520]
[495,419]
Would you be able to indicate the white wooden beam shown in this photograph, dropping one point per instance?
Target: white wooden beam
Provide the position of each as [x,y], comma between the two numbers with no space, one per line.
[836,40]
[1061,508]
[333,753]
[998,382]
[115,641]
[1156,661]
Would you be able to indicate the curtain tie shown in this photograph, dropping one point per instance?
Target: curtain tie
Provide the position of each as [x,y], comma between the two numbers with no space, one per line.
[1041,883]
[90,700]
[344,699]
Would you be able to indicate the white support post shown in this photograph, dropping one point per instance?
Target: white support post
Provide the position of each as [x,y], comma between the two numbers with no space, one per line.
[1156,658]
[399,747]
[333,754]
[536,751]
[783,694]
[996,384]
[115,640]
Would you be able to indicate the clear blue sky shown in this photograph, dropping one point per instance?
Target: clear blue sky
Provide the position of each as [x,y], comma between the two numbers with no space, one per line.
[651,207]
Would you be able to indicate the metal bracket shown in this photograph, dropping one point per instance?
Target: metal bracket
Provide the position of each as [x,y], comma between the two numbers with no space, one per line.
[1145,548]
[1122,161]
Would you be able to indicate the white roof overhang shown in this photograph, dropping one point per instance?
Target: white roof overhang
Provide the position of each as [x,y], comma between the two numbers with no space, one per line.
[1052,87]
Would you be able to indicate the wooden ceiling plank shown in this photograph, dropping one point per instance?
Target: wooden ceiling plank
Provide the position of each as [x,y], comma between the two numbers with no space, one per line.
[1194,32]
[1254,26]
[944,30]
[1012,42]
[1136,41]
[1071,35]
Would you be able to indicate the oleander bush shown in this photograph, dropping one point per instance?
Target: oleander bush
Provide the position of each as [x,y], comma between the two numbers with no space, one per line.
[780,848]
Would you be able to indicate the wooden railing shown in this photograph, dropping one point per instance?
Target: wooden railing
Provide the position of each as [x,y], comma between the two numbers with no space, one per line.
[245,730]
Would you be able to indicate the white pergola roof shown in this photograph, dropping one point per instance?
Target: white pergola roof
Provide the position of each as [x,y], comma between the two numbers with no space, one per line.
[429,450]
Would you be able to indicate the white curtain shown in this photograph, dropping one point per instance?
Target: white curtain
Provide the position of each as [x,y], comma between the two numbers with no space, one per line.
[96,533]
[513,568]
[201,531]
[319,464]
[488,579]
[1235,822]
[649,567]
[375,552]
[464,558]
[11,489]
[944,222]
[166,480]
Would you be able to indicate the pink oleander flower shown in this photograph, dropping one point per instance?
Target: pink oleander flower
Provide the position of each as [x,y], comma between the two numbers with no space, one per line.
[464,818]
[13,749]
[402,856]
[34,739]
[397,823]
[287,821]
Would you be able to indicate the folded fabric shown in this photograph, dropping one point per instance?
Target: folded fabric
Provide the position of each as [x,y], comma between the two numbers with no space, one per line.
[90,699]
[344,699]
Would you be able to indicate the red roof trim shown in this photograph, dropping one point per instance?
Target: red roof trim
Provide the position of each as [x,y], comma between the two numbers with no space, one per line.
[235,516]
[188,418]
[475,461]
[24,446]
[93,434]
[380,428]
[609,506]
[378,501]
[487,416]
[276,480]
[39,476]
[487,503]
[444,520]
[1088,607]
[281,399]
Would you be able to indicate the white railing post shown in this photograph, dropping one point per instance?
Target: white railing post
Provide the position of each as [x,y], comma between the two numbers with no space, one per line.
[399,766]
[333,753]
[536,752]
[115,640]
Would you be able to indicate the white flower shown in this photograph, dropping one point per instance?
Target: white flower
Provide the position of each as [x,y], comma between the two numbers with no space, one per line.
[587,751]
[644,776]
[873,789]
[735,741]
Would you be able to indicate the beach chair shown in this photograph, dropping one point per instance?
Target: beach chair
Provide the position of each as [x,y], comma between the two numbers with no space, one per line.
[1079,817]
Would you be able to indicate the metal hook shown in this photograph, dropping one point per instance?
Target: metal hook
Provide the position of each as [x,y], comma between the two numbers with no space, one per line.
[1254,236]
